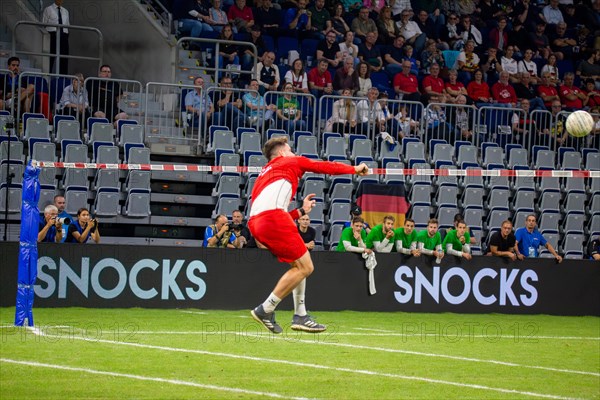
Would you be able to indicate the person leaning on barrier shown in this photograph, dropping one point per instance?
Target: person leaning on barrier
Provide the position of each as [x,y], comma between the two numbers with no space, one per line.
[356,211]
[504,244]
[529,238]
[457,241]
[405,239]
[353,238]
[429,240]
[50,229]
[381,237]
[219,234]
[82,229]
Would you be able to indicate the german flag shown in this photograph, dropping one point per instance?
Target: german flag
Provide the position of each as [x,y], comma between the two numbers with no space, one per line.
[377,201]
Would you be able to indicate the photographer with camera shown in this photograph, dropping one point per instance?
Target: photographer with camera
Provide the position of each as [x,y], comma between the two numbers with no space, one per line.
[243,237]
[219,234]
[83,228]
[50,230]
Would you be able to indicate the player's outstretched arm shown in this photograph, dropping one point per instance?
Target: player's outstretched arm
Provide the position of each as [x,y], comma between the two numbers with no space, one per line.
[361,169]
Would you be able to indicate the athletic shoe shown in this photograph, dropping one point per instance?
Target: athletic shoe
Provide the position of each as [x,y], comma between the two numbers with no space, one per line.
[306,324]
[266,319]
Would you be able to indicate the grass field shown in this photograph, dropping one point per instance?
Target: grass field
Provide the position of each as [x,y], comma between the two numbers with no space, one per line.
[206,354]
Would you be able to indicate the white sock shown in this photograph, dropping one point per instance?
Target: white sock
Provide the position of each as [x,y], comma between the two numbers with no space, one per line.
[271,302]
[299,306]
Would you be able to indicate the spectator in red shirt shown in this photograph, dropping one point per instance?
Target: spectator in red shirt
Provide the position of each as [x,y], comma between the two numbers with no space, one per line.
[547,91]
[406,84]
[319,79]
[479,91]
[241,16]
[503,92]
[571,96]
[432,83]
[593,96]
[454,88]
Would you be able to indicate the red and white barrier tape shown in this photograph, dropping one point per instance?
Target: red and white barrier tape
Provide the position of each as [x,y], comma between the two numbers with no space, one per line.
[521,173]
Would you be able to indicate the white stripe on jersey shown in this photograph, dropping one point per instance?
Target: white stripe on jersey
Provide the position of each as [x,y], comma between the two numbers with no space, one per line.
[274,196]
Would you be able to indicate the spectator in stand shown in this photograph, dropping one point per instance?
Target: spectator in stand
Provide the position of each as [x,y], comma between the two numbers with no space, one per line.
[369,52]
[243,237]
[411,32]
[11,88]
[227,105]
[190,15]
[594,249]
[432,83]
[528,66]
[552,69]
[298,20]
[388,30]
[525,14]
[362,25]
[345,78]
[435,118]
[467,63]
[375,7]
[520,39]
[539,41]
[469,31]
[198,107]
[329,50]
[228,53]
[547,91]
[348,48]
[529,238]
[268,18]
[461,119]
[408,55]
[457,241]
[338,23]
[74,99]
[571,96]
[525,91]
[561,43]
[105,96]
[256,108]
[393,57]
[307,232]
[56,14]
[504,244]
[248,55]
[319,79]
[491,67]
[590,68]
[82,229]
[479,91]
[405,239]
[217,18]
[343,117]
[503,92]
[218,234]
[406,84]
[551,14]
[430,29]
[288,111]
[50,228]
[523,126]
[509,64]
[297,77]
[381,237]
[449,34]
[321,20]
[353,238]
[398,6]
[60,204]
[499,35]
[387,123]
[364,79]
[240,16]
[369,112]
[429,241]
[454,88]
[267,73]
[430,56]
[593,96]
[553,132]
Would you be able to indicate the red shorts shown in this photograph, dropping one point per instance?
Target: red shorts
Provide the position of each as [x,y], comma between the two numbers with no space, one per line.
[278,232]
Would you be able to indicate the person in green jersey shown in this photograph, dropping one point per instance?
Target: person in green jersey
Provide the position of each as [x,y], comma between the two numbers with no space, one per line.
[381,237]
[353,238]
[288,111]
[457,241]
[406,239]
[429,241]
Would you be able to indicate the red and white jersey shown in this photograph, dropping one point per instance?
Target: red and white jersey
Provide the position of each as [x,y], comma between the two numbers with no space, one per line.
[278,181]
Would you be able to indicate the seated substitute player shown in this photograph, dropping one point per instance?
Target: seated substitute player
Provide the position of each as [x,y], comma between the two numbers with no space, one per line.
[429,240]
[50,228]
[504,244]
[406,239]
[354,237]
[381,237]
[457,241]
[273,226]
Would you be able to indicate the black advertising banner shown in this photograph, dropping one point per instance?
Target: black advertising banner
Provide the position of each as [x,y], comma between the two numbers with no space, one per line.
[174,277]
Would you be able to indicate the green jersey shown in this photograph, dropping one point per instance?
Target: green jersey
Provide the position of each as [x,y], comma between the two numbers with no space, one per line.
[377,235]
[429,243]
[289,107]
[406,240]
[452,239]
[348,236]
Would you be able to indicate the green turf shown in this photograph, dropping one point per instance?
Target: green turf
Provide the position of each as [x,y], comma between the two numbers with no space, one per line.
[224,354]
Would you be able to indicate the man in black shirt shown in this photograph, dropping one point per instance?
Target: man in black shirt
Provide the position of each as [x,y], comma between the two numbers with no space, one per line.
[228,105]
[104,96]
[503,243]
[307,232]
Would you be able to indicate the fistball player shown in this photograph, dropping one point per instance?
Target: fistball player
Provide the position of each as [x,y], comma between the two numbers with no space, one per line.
[273,226]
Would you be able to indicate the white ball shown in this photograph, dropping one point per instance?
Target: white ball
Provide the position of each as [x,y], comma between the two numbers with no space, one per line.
[580,123]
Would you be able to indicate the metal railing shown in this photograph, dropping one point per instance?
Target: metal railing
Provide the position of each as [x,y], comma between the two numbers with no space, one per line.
[6,88]
[494,124]
[161,12]
[286,111]
[80,29]
[450,122]
[115,97]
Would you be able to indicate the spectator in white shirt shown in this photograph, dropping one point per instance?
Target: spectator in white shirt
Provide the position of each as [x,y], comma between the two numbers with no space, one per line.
[58,15]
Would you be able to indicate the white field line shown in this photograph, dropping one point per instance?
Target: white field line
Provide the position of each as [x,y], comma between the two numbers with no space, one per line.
[148,378]
[194,312]
[318,366]
[373,348]
[373,330]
